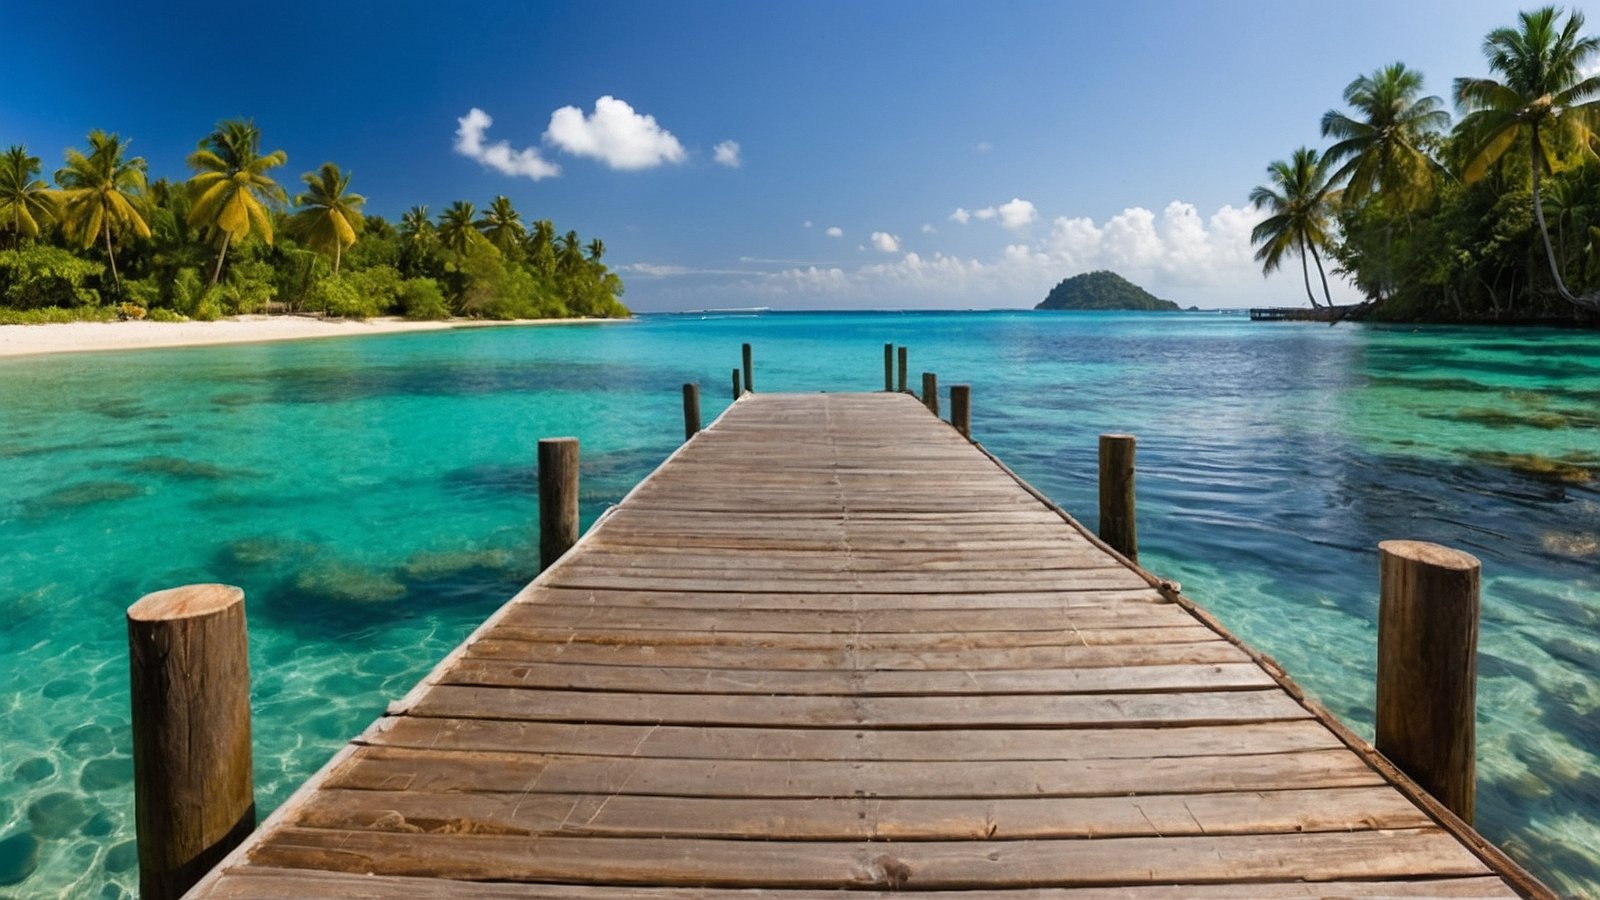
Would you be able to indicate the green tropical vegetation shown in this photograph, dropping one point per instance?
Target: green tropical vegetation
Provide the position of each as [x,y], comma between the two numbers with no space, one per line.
[105,241]
[1102,290]
[1494,215]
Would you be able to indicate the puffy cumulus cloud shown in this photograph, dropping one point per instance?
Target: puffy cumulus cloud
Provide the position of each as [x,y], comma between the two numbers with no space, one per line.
[615,135]
[885,242]
[1015,214]
[929,229]
[1178,248]
[834,231]
[471,130]
[727,154]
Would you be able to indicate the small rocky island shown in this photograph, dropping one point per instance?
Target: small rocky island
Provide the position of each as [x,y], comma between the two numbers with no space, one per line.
[1102,290]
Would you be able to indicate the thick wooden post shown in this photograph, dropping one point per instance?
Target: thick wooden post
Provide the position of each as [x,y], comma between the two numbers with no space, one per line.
[1428,667]
[737,388]
[749,380]
[1117,525]
[930,392]
[888,367]
[961,409]
[902,354]
[193,791]
[691,410]
[558,498]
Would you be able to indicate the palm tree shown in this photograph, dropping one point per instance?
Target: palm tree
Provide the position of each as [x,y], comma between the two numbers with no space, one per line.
[502,225]
[569,252]
[102,194]
[1300,201]
[541,246]
[1382,150]
[1544,99]
[597,249]
[457,230]
[26,203]
[415,225]
[230,187]
[330,216]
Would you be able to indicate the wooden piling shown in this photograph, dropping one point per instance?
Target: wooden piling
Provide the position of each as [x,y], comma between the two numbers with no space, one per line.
[558,498]
[193,791]
[902,366]
[737,388]
[961,409]
[1427,667]
[930,392]
[888,367]
[691,410]
[1117,521]
[749,380]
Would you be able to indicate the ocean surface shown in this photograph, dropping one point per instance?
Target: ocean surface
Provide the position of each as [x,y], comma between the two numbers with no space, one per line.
[374,498]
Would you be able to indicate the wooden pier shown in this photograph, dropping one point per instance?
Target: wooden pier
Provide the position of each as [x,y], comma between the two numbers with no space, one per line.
[831,644]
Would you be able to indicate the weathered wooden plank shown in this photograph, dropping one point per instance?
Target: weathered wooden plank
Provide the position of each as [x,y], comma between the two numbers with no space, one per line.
[777,743]
[861,818]
[926,865]
[806,621]
[912,641]
[998,711]
[1208,649]
[845,683]
[267,883]
[576,574]
[848,602]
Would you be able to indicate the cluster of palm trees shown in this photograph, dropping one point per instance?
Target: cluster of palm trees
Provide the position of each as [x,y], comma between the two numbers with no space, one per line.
[462,231]
[102,196]
[1393,156]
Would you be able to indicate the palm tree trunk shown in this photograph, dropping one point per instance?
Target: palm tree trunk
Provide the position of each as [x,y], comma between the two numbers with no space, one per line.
[338,251]
[116,279]
[1306,271]
[216,273]
[1587,302]
[1323,275]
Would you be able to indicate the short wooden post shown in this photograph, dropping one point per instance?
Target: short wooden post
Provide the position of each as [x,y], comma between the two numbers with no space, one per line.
[888,367]
[558,498]
[749,381]
[961,409]
[737,388]
[193,791]
[1428,667]
[930,392]
[1117,526]
[902,353]
[691,410]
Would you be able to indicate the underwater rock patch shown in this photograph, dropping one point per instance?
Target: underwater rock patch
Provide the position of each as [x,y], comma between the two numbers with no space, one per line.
[34,770]
[348,583]
[122,857]
[76,496]
[57,815]
[19,857]
[105,774]
[257,551]
[177,467]
[1568,470]
[427,565]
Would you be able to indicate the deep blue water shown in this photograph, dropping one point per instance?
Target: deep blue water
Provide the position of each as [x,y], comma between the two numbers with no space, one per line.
[374,498]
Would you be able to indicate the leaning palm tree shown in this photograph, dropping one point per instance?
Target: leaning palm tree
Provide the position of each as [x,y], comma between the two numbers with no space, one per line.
[1382,148]
[1544,100]
[26,203]
[1300,201]
[330,216]
[231,189]
[102,195]
[457,228]
[502,225]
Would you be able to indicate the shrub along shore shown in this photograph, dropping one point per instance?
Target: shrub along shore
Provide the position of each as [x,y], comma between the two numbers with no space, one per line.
[104,243]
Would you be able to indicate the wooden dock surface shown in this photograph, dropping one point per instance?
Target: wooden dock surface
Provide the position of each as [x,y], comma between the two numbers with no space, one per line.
[831,644]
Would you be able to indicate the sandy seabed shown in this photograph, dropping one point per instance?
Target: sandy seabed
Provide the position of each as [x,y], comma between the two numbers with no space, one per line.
[77,337]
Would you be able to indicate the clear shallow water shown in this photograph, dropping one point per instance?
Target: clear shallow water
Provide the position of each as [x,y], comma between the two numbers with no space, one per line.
[374,498]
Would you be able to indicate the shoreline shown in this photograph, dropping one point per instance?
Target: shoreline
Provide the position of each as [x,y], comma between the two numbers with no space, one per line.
[91,337]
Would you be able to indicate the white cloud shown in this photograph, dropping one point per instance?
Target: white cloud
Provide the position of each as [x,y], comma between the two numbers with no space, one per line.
[885,242]
[727,154]
[1015,214]
[929,229]
[834,231]
[984,147]
[470,131]
[960,215]
[615,135]
[985,214]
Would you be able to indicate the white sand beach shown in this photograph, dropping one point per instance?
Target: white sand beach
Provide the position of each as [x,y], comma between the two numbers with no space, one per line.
[77,337]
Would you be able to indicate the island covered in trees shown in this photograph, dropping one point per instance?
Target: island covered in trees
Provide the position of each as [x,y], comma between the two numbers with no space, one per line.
[1102,290]
[104,242]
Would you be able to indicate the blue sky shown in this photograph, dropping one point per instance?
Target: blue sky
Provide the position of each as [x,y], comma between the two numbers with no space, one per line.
[1068,136]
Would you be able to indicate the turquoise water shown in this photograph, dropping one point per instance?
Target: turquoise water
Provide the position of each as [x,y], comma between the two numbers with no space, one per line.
[373,498]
